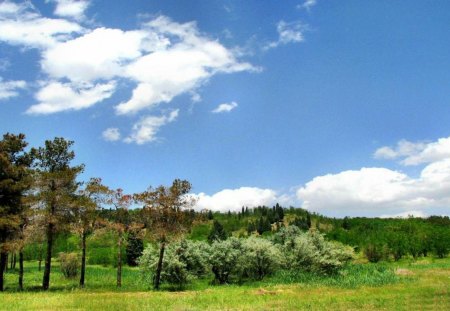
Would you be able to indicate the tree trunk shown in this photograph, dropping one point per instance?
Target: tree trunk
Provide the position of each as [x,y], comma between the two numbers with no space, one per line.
[20,270]
[48,258]
[5,268]
[119,262]
[160,264]
[83,258]
[14,262]
[3,264]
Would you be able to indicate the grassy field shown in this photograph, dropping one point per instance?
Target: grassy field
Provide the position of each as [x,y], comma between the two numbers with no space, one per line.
[421,285]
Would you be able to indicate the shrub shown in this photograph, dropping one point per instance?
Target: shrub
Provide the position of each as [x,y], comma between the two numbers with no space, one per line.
[194,256]
[181,263]
[69,264]
[375,252]
[259,258]
[173,270]
[311,252]
[223,259]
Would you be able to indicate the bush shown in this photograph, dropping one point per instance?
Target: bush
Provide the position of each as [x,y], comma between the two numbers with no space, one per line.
[311,252]
[182,262]
[223,259]
[69,264]
[173,270]
[259,258]
[375,252]
[194,256]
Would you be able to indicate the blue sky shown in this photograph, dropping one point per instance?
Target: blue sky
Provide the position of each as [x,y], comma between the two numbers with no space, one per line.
[342,107]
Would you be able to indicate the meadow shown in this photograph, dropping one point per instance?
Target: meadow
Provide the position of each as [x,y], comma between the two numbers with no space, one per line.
[405,285]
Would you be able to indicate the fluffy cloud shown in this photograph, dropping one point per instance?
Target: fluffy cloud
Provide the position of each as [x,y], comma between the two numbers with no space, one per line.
[10,89]
[71,8]
[146,129]
[416,153]
[226,107]
[56,97]
[111,134]
[234,199]
[20,24]
[181,66]
[287,33]
[381,191]
[100,54]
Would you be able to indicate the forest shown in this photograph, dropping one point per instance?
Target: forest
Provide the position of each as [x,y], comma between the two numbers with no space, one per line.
[51,222]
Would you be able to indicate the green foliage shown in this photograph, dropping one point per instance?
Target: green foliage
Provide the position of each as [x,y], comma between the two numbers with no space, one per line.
[200,232]
[69,264]
[259,258]
[194,255]
[217,232]
[223,259]
[134,249]
[311,252]
[375,252]
[182,262]
[102,248]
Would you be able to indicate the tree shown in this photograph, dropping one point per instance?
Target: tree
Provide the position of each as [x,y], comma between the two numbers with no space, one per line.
[134,249]
[86,210]
[164,215]
[55,187]
[121,224]
[217,232]
[14,182]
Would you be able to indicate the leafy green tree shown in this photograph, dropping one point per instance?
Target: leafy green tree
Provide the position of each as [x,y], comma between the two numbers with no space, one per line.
[441,242]
[14,182]
[55,188]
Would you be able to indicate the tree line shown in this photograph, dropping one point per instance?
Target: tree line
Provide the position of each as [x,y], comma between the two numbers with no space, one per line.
[41,197]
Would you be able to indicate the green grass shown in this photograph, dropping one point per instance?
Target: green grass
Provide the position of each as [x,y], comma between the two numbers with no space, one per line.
[426,286]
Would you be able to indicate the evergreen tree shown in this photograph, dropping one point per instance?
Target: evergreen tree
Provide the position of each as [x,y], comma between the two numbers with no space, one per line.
[217,232]
[14,182]
[55,190]
[135,247]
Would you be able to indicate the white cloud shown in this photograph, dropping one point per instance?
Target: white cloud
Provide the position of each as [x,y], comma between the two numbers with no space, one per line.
[146,129]
[381,191]
[71,8]
[234,199]
[416,153]
[308,4]
[57,97]
[162,59]
[179,67]
[10,89]
[111,134]
[288,33]
[100,54]
[20,24]
[226,107]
